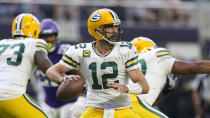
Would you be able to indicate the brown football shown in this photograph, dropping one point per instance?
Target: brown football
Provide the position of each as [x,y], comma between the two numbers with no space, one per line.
[69,89]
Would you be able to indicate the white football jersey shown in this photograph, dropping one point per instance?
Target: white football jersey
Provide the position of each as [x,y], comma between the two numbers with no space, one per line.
[17,64]
[155,65]
[99,70]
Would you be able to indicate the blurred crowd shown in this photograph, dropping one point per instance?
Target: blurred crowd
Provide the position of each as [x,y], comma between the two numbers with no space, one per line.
[173,14]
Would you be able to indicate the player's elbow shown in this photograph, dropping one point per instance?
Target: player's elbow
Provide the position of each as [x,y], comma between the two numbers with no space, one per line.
[49,73]
[145,89]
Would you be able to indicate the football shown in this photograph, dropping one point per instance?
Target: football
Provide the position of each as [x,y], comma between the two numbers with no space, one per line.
[70,89]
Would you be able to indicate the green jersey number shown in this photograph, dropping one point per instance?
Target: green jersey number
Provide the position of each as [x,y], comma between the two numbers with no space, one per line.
[126,44]
[17,53]
[81,45]
[105,77]
[143,66]
[3,48]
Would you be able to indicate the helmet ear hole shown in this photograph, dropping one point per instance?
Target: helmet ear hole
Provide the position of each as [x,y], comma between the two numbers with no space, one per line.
[35,33]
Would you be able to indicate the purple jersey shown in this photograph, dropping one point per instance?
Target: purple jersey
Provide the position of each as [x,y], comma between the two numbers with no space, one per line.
[50,87]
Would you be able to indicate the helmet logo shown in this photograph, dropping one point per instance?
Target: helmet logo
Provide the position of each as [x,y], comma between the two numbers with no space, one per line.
[95,17]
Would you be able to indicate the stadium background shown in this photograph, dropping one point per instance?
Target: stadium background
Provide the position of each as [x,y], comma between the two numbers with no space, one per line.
[183,27]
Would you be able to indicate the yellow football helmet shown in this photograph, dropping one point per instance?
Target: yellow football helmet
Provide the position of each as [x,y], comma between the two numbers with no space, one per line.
[26,25]
[143,44]
[98,19]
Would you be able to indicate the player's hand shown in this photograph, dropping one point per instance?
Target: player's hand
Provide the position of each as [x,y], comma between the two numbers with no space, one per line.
[71,77]
[119,87]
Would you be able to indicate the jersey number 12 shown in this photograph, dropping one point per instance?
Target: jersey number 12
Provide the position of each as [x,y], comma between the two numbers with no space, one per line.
[104,65]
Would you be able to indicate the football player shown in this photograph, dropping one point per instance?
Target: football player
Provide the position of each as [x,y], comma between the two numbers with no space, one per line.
[53,107]
[19,57]
[106,65]
[156,65]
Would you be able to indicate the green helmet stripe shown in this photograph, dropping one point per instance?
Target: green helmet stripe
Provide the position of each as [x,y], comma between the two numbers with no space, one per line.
[19,21]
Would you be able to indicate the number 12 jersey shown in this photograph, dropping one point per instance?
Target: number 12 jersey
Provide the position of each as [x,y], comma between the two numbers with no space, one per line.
[99,70]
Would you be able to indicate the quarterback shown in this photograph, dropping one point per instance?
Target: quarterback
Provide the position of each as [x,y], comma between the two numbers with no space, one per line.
[157,64]
[19,57]
[106,65]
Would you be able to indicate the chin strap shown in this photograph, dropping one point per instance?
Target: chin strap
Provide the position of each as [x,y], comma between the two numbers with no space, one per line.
[110,42]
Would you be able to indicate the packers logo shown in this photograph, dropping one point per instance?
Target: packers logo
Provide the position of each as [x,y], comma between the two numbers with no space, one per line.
[86,53]
[95,17]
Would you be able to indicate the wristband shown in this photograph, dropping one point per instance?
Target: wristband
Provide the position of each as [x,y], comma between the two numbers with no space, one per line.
[134,88]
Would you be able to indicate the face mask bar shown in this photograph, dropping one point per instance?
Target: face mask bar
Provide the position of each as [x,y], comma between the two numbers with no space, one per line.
[101,31]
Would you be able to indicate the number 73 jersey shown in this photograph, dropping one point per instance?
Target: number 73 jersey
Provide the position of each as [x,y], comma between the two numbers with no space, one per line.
[99,70]
[17,64]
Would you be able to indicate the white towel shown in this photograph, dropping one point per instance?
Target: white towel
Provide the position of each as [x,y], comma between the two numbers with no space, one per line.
[108,113]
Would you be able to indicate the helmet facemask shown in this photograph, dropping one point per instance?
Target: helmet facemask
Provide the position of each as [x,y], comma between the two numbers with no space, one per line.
[102,31]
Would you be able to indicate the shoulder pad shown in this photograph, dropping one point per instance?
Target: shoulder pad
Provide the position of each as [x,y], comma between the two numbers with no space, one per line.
[125,44]
[80,45]
[162,52]
[41,43]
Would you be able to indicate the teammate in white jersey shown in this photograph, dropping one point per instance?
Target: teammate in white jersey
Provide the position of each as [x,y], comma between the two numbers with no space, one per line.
[106,65]
[18,58]
[157,64]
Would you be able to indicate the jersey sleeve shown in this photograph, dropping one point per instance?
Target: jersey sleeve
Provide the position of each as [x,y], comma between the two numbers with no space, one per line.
[70,58]
[41,45]
[131,62]
[165,59]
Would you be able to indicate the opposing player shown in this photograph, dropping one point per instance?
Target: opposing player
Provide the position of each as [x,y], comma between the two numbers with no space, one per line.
[53,107]
[105,64]
[19,57]
[157,64]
